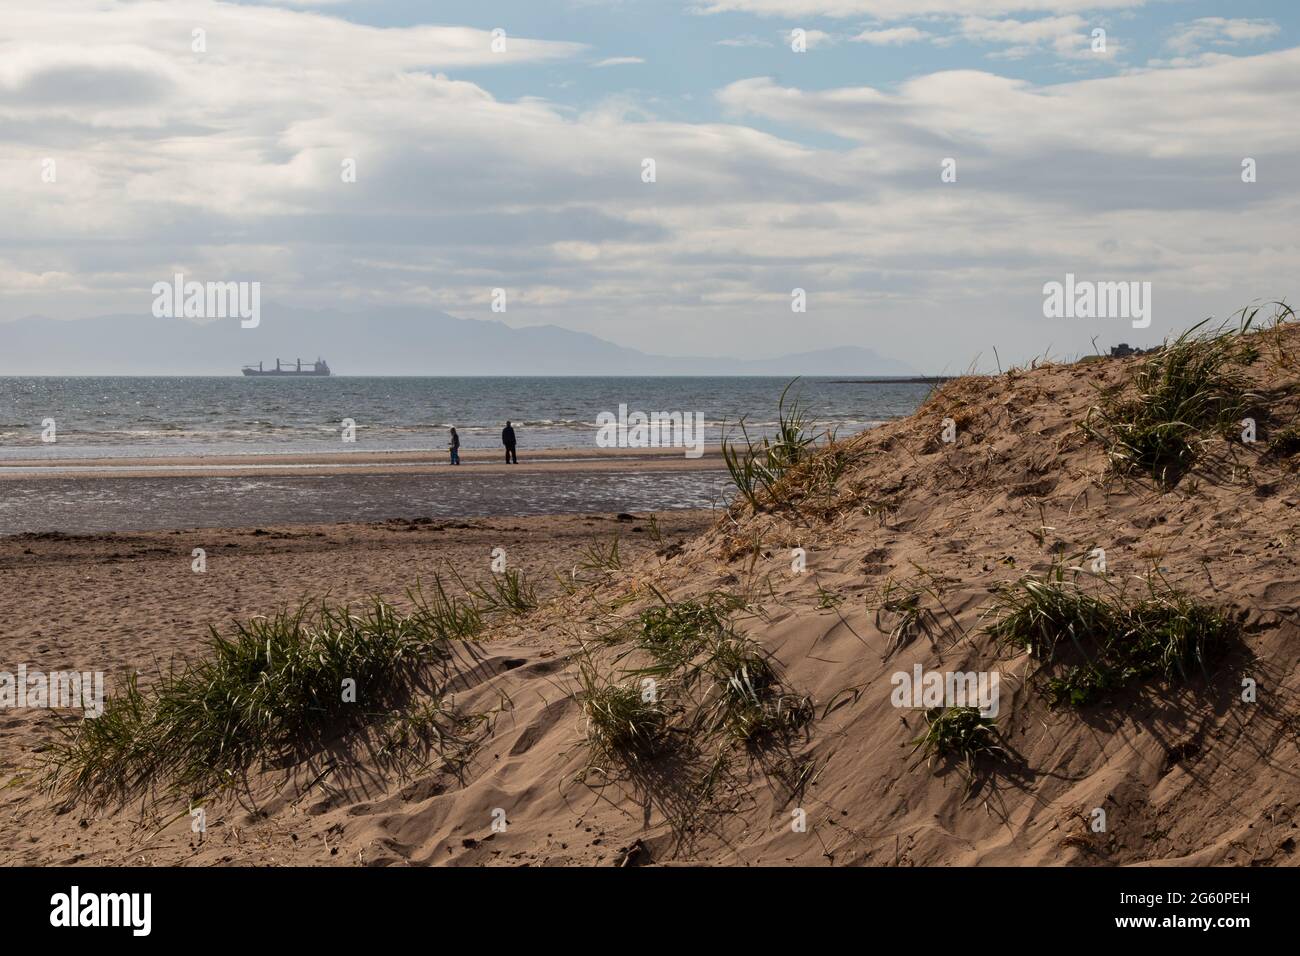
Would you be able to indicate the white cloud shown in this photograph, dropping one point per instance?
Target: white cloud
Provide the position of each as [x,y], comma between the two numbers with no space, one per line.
[1045,29]
[1196,59]
[1068,37]
[1155,113]
[896,36]
[812,38]
[904,9]
[263,38]
[1218,31]
[747,40]
[618,61]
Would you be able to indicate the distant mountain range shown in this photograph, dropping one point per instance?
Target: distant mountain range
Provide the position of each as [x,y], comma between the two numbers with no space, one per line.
[392,342]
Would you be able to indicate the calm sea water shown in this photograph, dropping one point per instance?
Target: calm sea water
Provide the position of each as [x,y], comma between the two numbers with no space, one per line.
[142,417]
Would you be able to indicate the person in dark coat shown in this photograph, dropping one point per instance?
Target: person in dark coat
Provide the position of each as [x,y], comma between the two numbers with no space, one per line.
[508,439]
[455,447]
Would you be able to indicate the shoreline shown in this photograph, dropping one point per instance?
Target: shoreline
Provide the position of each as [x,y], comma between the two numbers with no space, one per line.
[583,460]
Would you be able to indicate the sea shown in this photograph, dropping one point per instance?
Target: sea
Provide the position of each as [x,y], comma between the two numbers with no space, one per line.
[164,416]
[139,418]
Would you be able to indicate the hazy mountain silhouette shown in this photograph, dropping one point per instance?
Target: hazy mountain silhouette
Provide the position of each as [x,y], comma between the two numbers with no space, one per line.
[392,342]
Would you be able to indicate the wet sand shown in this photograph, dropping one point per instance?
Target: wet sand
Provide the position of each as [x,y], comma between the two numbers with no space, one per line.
[102,495]
[362,462]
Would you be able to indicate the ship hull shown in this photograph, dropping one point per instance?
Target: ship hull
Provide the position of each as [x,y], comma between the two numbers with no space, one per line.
[272,373]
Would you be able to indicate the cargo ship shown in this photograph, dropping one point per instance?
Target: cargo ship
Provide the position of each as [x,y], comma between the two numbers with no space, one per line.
[321,367]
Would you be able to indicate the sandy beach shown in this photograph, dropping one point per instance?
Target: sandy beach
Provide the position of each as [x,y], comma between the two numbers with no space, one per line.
[138,605]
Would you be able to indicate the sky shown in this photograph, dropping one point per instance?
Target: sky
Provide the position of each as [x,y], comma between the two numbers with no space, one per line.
[132,148]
